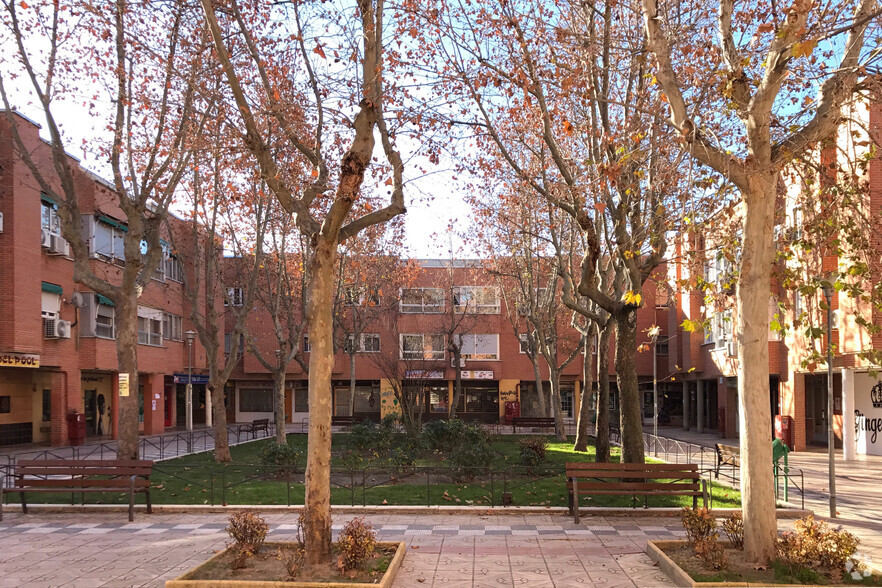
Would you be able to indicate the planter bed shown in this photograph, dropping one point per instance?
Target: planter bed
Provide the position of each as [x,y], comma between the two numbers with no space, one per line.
[266,570]
[678,561]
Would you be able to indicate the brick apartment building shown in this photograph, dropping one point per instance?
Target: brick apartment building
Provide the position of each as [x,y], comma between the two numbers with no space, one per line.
[411,333]
[707,359]
[57,347]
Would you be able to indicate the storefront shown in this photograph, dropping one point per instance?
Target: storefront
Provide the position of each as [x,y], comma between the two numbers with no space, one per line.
[862,412]
[25,398]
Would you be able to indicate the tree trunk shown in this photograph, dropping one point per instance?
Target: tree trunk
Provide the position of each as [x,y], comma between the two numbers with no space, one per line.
[317,507]
[279,385]
[554,376]
[221,437]
[540,389]
[602,419]
[127,357]
[584,416]
[352,381]
[457,386]
[631,417]
[752,299]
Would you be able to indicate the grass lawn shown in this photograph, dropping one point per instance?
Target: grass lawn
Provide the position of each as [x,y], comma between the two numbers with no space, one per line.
[197,479]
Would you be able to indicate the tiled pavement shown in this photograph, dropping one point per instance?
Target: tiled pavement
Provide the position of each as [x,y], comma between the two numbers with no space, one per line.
[90,550]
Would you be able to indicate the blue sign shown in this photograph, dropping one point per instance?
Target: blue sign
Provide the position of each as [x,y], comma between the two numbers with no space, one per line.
[184,379]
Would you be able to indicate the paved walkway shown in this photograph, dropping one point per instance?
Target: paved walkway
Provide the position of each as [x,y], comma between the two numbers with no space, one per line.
[92,550]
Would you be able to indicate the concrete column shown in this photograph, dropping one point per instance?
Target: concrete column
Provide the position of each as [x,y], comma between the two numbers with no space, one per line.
[699,407]
[687,406]
[848,437]
[208,412]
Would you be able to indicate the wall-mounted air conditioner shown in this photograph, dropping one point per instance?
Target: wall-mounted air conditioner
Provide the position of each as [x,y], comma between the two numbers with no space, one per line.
[62,329]
[45,238]
[1,222]
[58,246]
[78,299]
[462,362]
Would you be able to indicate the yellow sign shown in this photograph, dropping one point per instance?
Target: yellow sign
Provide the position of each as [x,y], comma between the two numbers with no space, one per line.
[25,360]
[124,384]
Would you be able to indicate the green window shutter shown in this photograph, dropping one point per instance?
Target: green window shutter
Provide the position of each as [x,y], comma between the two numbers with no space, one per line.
[51,288]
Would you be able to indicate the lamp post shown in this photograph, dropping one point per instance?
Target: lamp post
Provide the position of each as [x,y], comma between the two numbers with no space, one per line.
[191,336]
[827,287]
[653,332]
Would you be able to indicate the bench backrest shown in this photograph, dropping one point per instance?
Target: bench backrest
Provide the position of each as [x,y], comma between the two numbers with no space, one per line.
[260,422]
[533,420]
[636,473]
[82,472]
[732,450]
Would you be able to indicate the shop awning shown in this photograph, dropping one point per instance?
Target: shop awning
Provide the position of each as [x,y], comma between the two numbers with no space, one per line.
[104,300]
[48,200]
[52,288]
[113,223]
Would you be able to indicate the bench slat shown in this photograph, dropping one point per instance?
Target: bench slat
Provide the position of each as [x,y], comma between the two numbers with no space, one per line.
[123,483]
[629,486]
[60,471]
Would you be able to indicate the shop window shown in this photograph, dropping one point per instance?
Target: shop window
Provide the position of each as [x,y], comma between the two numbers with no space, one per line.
[256,400]
[5,404]
[47,405]
[301,399]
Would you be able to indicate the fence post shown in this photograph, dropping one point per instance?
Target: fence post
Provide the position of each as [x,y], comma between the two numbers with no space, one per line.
[223,486]
[428,489]
[492,490]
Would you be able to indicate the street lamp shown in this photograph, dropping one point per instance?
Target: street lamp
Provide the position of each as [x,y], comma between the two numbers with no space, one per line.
[827,287]
[191,336]
[653,332]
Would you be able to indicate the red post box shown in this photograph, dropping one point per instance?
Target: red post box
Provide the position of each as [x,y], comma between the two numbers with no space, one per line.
[784,429]
[512,410]
[76,428]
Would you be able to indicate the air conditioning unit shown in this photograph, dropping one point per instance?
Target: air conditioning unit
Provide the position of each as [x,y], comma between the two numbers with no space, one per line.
[62,329]
[1,222]
[45,238]
[58,246]
[462,362]
[78,299]
[834,323]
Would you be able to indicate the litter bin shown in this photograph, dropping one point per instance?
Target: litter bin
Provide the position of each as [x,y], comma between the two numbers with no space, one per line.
[784,429]
[76,428]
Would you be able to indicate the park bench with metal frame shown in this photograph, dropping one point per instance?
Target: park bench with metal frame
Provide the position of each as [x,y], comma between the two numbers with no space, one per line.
[727,455]
[130,476]
[344,421]
[633,479]
[253,427]
[541,423]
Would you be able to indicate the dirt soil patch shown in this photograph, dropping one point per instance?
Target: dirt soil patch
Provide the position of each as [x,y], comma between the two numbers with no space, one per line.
[740,570]
[266,566]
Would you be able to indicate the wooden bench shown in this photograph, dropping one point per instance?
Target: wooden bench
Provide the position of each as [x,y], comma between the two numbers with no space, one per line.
[253,427]
[81,476]
[727,455]
[542,423]
[343,421]
[633,479]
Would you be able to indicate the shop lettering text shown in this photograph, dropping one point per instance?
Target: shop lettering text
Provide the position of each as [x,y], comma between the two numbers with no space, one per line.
[19,360]
[868,425]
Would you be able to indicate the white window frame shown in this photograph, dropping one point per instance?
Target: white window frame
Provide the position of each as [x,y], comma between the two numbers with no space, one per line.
[172,327]
[149,326]
[117,242]
[431,307]
[722,327]
[426,353]
[372,337]
[235,297]
[469,347]
[49,220]
[109,313]
[464,296]
[50,312]
[524,341]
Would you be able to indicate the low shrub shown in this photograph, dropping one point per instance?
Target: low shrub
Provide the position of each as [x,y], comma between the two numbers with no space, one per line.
[356,543]
[248,532]
[699,524]
[711,552]
[292,559]
[402,455]
[733,527]
[284,454]
[362,436]
[815,545]
[533,451]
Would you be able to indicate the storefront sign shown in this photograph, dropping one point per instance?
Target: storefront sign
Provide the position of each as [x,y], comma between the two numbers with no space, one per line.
[868,415]
[477,375]
[124,384]
[184,379]
[424,375]
[25,360]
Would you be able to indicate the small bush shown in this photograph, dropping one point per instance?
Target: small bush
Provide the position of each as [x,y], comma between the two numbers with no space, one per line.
[362,436]
[814,545]
[699,524]
[711,552]
[733,527]
[402,455]
[465,445]
[352,461]
[248,531]
[533,451]
[357,543]
[285,454]
[292,559]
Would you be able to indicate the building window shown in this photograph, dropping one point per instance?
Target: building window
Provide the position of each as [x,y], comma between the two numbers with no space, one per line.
[234,297]
[47,405]
[360,296]
[51,305]
[256,400]
[149,331]
[422,346]
[524,340]
[105,322]
[722,326]
[479,347]
[476,299]
[5,404]
[661,345]
[49,220]
[172,327]
[566,403]
[108,240]
[171,264]
[417,300]
[301,399]
[306,346]
[370,342]
[97,317]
